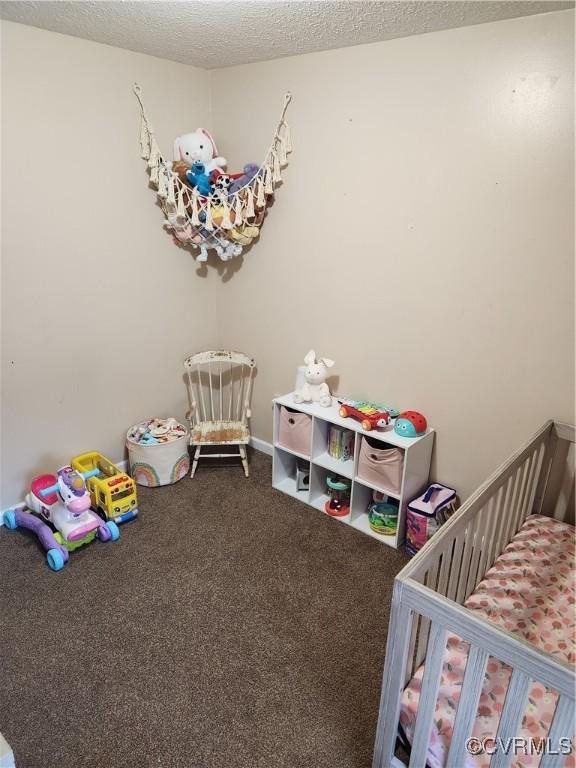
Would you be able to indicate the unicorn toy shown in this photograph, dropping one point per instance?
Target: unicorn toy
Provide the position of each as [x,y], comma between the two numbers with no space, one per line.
[57,510]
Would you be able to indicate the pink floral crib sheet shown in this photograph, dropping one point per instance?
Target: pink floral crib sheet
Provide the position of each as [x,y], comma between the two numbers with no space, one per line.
[530,590]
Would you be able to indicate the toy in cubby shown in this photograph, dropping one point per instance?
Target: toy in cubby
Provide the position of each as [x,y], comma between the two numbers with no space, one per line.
[302,475]
[382,515]
[338,505]
[340,443]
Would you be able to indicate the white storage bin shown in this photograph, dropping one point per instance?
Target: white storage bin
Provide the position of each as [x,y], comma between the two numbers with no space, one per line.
[380,467]
[159,464]
[295,431]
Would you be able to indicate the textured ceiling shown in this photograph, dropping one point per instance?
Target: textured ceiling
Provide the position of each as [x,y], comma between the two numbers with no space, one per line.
[215,33]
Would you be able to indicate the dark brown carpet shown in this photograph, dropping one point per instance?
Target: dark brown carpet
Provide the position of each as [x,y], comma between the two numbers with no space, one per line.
[229,627]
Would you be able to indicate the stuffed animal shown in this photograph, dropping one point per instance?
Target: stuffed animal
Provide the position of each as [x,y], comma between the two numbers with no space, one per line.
[198,146]
[182,234]
[180,168]
[227,250]
[244,234]
[217,210]
[220,182]
[241,179]
[315,389]
[198,178]
[186,235]
[203,255]
[259,218]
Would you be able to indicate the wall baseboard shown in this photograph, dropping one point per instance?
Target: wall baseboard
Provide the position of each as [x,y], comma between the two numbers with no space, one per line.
[261,445]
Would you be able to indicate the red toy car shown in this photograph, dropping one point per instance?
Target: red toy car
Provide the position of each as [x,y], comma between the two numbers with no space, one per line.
[369,415]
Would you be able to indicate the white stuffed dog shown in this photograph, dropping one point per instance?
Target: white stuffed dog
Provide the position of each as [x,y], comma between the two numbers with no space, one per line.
[198,146]
[315,389]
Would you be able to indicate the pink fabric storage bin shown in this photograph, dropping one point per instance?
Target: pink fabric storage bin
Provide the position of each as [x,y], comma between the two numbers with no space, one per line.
[380,467]
[294,431]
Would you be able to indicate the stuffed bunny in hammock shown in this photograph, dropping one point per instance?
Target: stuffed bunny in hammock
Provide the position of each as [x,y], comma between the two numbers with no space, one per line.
[198,147]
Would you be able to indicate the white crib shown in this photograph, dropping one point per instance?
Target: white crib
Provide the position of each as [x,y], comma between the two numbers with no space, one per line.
[428,602]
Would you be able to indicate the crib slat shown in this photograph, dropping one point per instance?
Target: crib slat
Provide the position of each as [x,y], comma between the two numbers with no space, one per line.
[527,488]
[468,541]
[522,492]
[534,473]
[516,497]
[539,452]
[490,537]
[562,727]
[468,576]
[422,640]
[442,587]
[511,717]
[503,517]
[432,576]
[495,545]
[515,481]
[428,695]
[411,665]
[430,582]
[455,567]
[395,661]
[547,459]
[480,541]
[467,706]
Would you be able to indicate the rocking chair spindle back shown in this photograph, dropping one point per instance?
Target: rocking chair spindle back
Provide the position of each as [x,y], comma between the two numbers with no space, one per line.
[219,390]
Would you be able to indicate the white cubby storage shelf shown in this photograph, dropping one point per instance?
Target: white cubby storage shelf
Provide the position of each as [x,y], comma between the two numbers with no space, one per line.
[415,474]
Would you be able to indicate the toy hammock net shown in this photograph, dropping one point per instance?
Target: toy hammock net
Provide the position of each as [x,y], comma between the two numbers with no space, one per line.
[226,223]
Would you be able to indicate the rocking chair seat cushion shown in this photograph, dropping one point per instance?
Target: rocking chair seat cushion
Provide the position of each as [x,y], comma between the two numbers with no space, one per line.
[218,432]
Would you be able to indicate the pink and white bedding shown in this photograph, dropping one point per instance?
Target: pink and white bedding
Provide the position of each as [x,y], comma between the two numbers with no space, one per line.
[530,591]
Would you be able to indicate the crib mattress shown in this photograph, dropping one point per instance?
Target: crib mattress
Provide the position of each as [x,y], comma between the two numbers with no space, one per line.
[529,591]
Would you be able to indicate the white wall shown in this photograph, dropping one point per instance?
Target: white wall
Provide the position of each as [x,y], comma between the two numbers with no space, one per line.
[423,238]
[99,307]
[424,235]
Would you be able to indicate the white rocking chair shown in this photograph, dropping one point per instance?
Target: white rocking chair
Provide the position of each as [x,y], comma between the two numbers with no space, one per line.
[219,390]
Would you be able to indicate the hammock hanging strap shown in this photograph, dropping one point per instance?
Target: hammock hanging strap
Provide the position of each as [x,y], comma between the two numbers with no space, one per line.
[146,131]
